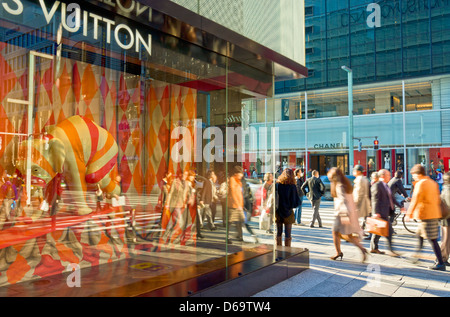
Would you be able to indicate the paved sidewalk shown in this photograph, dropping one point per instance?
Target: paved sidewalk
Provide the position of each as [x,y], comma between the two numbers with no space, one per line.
[381,275]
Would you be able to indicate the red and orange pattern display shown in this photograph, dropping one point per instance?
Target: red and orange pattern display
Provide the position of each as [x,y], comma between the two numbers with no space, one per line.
[139,114]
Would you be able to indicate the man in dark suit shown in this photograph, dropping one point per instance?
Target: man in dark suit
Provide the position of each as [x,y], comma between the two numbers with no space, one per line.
[397,189]
[314,189]
[383,206]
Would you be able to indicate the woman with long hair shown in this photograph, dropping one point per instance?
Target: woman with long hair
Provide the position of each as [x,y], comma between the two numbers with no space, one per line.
[346,218]
[287,199]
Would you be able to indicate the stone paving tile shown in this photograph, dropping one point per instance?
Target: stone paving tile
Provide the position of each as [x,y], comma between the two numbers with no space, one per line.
[410,290]
[326,288]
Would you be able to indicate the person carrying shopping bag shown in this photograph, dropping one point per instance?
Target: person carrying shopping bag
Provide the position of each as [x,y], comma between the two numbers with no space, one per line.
[346,217]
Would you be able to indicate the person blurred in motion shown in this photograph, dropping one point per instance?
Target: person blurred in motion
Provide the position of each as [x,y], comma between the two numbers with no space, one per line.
[445,197]
[268,197]
[236,202]
[173,210]
[248,207]
[208,197]
[314,189]
[287,200]
[190,209]
[299,183]
[445,240]
[346,216]
[397,189]
[425,207]
[222,196]
[361,192]
[8,195]
[215,200]
[383,207]
[165,189]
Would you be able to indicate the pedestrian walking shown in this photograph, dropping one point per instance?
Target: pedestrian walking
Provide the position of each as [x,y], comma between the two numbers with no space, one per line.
[425,207]
[236,202]
[439,179]
[299,182]
[268,198]
[383,207]
[314,189]
[445,240]
[361,192]
[287,200]
[208,198]
[346,216]
[397,189]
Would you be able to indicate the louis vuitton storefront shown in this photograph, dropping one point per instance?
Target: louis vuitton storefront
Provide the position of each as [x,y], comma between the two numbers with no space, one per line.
[106,116]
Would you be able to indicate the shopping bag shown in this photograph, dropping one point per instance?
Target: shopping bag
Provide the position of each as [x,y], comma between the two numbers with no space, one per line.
[377,226]
[264,221]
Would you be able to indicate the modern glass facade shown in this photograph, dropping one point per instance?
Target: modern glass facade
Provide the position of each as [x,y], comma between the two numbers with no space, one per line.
[411,40]
[107,116]
[397,51]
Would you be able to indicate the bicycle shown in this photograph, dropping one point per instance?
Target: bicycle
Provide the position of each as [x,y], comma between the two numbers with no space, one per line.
[408,225]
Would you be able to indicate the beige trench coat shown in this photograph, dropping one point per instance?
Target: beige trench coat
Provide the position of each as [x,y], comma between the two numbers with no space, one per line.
[361,191]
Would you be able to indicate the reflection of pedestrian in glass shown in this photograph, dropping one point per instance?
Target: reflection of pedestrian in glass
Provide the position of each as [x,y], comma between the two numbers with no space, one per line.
[208,197]
[248,207]
[9,195]
[165,188]
[236,201]
[190,205]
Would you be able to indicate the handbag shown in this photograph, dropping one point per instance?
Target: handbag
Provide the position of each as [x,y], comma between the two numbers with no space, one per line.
[377,226]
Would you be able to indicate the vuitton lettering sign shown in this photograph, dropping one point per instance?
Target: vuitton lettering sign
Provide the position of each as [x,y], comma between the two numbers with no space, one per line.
[74,19]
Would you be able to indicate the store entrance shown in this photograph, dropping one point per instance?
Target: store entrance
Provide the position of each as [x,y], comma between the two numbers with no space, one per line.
[323,163]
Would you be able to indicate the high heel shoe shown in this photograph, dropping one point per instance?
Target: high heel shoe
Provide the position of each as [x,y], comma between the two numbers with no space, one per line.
[340,255]
[365,254]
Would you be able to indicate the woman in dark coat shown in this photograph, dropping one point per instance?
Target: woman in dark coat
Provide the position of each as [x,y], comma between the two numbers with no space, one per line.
[287,199]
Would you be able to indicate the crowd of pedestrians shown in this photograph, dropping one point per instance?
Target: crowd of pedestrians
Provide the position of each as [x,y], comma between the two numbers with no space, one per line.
[356,204]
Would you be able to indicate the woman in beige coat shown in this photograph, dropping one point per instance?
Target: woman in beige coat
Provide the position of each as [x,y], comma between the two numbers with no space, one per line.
[346,218]
[426,207]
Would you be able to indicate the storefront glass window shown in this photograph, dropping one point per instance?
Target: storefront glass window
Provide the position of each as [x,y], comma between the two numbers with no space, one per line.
[110,132]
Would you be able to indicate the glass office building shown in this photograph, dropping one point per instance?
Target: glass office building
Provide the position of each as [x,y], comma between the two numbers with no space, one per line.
[398,53]
[107,110]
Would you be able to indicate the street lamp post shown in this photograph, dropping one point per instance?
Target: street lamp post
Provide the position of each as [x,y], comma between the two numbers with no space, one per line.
[350,117]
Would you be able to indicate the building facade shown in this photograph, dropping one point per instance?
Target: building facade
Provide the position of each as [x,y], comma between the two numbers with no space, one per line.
[106,113]
[398,53]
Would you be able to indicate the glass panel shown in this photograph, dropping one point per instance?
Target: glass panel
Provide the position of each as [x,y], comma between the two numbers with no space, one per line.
[419,96]
[424,128]
[388,42]
[125,139]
